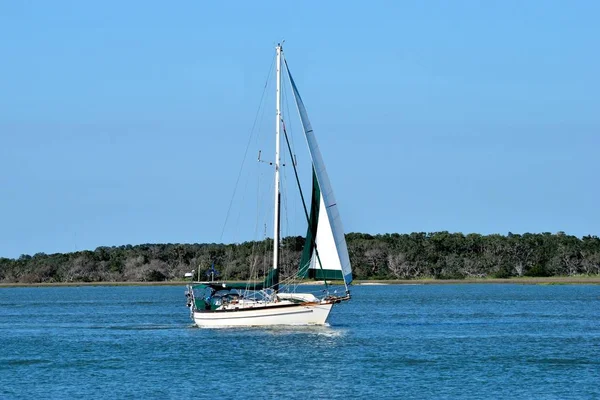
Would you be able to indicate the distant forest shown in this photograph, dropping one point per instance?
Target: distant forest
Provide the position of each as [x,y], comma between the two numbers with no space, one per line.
[439,255]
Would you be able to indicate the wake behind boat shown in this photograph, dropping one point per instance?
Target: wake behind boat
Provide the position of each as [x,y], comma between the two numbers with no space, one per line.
[324,256]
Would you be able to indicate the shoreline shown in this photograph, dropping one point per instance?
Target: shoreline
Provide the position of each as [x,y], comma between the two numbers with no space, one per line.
[556,280]
[560,280]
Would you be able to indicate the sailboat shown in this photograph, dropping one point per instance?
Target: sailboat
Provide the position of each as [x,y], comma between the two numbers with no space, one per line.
[324,256]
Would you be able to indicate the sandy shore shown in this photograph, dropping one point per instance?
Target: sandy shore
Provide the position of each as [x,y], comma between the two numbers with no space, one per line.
[566,280]
[561,280]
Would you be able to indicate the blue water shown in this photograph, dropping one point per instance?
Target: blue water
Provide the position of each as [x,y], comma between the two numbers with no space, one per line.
[412,342]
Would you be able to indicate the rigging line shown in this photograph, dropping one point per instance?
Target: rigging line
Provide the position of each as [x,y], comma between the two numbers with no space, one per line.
[287,106]
[287,141]
[284,200]
[266,219]
[254,244]
[298,181]
[284,195]
[236,228]
[292,156]
[247,147]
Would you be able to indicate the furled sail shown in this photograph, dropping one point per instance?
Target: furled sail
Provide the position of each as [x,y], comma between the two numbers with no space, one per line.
[325,255]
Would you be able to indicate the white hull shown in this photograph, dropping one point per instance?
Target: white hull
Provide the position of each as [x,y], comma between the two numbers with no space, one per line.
[306,314]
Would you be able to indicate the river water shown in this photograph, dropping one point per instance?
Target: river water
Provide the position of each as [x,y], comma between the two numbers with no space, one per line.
[482,341]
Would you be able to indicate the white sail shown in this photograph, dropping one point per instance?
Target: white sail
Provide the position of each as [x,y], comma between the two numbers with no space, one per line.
[330,241]
[327,248]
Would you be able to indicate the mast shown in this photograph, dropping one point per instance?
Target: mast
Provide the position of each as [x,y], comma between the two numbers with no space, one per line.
[276,227]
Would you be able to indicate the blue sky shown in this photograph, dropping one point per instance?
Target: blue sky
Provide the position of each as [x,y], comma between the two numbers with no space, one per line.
[126,122]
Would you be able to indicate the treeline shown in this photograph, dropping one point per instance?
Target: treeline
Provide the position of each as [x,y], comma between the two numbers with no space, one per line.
[440,255]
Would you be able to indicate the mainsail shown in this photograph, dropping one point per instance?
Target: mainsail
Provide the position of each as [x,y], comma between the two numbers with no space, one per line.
[325,254]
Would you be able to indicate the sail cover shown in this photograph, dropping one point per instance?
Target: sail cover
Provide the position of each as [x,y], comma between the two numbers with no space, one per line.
[325,255]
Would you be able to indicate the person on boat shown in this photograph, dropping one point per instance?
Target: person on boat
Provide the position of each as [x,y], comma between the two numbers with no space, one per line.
[208,297]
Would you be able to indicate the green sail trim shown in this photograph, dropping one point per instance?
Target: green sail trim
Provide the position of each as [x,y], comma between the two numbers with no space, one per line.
[326,274]
[311,232]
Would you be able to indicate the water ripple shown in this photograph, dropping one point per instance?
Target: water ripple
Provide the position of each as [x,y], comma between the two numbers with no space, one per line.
[415,342]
